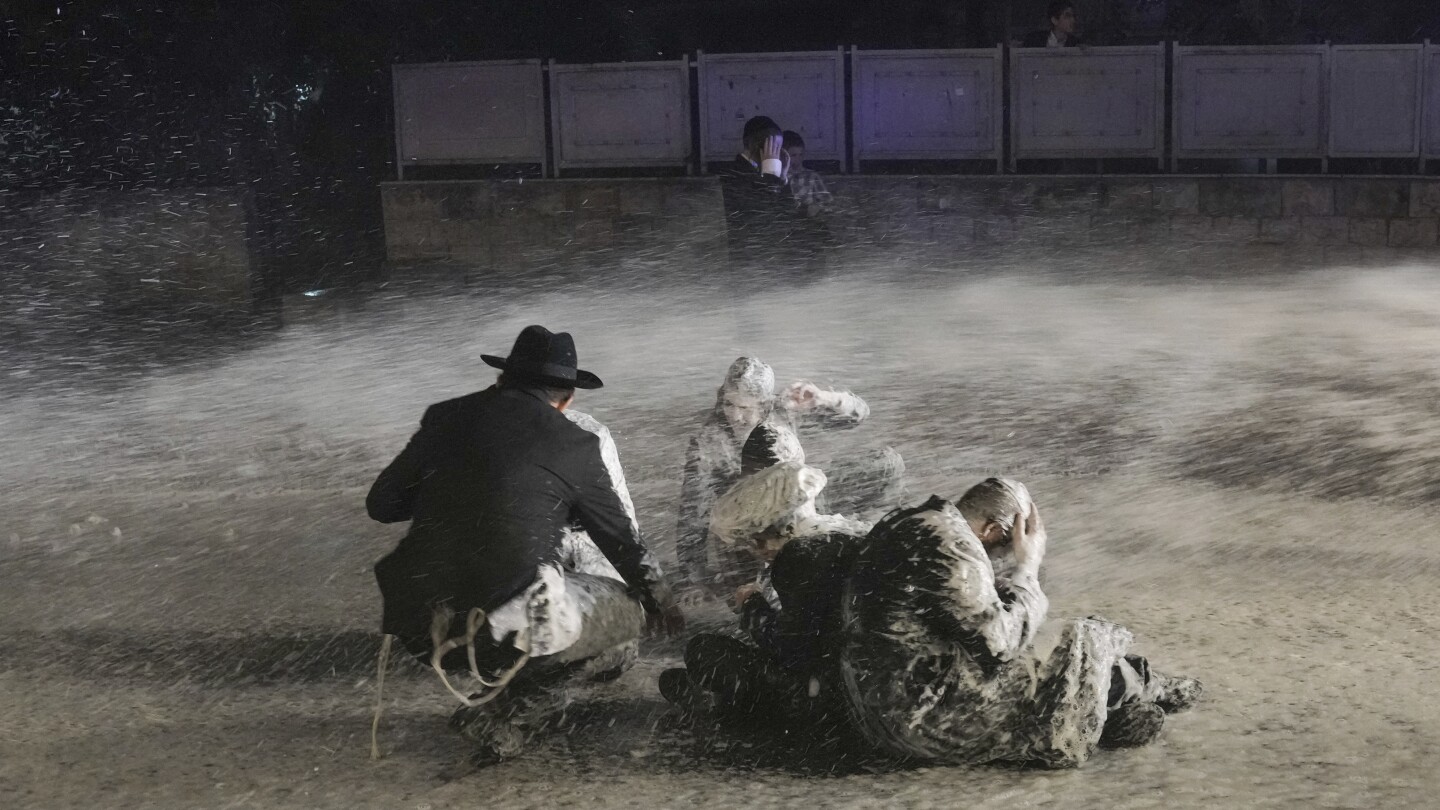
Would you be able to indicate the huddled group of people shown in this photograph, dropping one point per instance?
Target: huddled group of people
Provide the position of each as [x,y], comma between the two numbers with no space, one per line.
[916,630]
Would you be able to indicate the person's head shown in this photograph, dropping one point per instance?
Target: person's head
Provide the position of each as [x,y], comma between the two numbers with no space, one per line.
[1062,16]
[795,145]
[764,511]
[767,446]
[543,361]
[990,508]
[747,395]
[757,131]
[556,395]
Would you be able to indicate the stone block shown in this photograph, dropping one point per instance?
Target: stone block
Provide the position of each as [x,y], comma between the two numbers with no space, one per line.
[641,198]
[996,230]
[1279,231]
[932,196]
[402,233]
[1118,228]
[513,199]
[1234,230]
[593,197]
[1248,198]
[1425,198]
[957,231]
[1189,228]
[1369,231]
[1032,228]
[411,201]
[1129,195]
[1324,231]
[1343,255]
[1373,198]
[683,203]
[1153,230]
[1411,232]
[1059,196]
[1308,198]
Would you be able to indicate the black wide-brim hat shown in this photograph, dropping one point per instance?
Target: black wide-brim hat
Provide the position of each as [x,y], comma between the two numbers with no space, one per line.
[544,358]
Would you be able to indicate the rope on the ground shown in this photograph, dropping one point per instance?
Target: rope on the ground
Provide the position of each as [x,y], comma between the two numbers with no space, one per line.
[382,665]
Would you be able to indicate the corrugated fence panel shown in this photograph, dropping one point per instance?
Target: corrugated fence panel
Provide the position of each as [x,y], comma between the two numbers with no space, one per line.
[634,114]
[915,105]
[470,112]
[1097,102]
[801,91]
[1250,102]
[1375,100]
[1432,101]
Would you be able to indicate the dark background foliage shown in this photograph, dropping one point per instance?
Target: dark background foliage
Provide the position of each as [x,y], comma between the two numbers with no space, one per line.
[292,99]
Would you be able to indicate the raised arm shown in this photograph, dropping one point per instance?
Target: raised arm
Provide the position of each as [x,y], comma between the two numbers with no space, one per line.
[833,407]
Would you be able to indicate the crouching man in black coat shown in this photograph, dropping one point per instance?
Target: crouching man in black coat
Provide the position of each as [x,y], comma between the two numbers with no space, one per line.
[491,483]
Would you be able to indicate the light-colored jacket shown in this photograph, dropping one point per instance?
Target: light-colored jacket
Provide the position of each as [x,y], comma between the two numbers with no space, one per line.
[712,460]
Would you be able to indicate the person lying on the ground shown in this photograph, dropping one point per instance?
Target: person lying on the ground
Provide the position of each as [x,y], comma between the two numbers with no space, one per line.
[781,671]
[938,664]
[747,398]
[490,483]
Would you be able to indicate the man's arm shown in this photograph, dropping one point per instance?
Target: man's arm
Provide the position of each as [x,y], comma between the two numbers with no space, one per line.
[601,512]
[392,496]
[829,406]
[957,589]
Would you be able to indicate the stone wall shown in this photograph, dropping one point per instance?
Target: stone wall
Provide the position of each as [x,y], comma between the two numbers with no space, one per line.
[174,255]
[928,218]
[486,224]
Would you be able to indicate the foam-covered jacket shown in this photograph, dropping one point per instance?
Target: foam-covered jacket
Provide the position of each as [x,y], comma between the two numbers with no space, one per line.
[937,664]
[712,460]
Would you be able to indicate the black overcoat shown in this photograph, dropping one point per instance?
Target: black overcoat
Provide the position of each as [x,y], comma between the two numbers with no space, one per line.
[490,482]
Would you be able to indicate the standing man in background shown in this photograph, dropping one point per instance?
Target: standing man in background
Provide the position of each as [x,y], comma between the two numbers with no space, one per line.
[760,215]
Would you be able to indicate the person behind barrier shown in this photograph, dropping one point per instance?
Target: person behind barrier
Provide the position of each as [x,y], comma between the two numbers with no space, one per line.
[1061,34]
[806,185]
[760,214]
[492,482]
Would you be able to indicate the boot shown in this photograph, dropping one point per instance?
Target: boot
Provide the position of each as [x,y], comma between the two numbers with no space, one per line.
[1177,694]
[1132,725]
[496,739]
[682,693]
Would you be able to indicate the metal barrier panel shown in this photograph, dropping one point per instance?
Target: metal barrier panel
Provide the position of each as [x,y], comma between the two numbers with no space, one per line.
[469,112]
[801,91]
[1375,100]
[619,115]
[1430,79]
[915,105]
[1250,101]
[1092,102]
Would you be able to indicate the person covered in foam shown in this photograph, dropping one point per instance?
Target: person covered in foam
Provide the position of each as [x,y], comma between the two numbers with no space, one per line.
[746,400]
[942,660]
[783,671]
